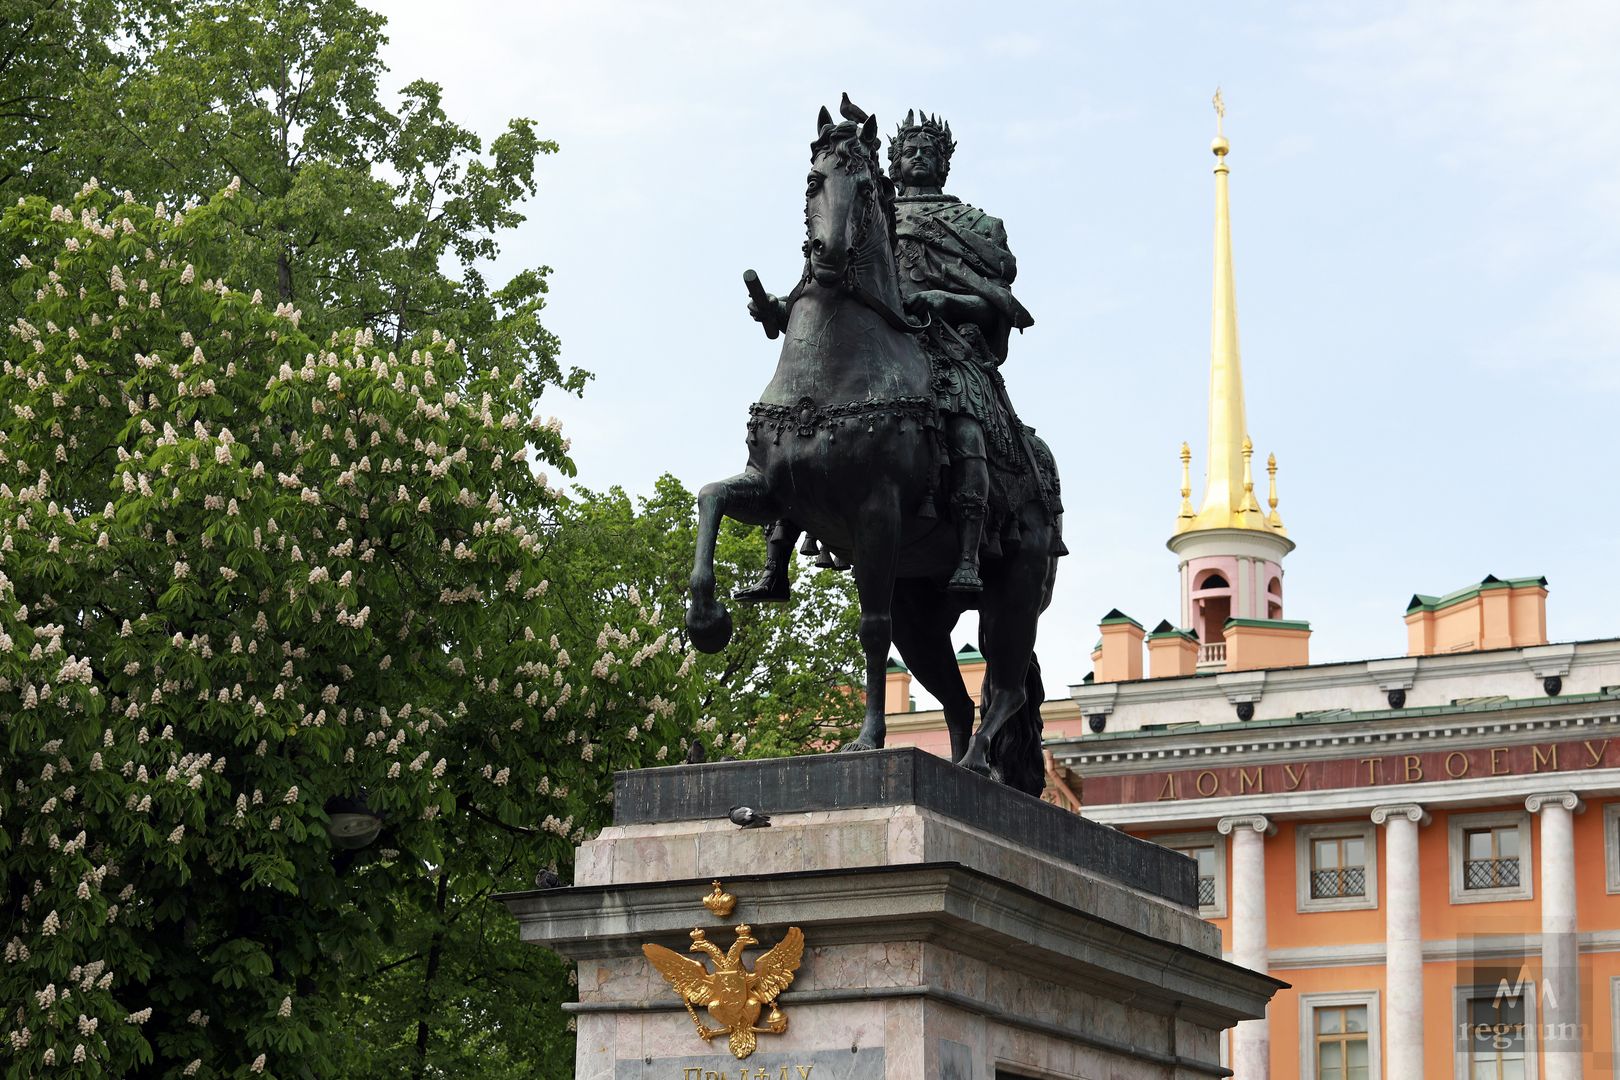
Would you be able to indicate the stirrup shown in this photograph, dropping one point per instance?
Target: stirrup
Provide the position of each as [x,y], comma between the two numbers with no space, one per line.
[769,589]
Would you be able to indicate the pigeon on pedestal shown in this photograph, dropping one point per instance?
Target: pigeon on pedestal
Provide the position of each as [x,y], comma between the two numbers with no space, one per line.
[748,818]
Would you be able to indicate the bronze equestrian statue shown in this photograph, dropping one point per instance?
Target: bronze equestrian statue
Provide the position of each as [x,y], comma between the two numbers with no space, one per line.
[886,434]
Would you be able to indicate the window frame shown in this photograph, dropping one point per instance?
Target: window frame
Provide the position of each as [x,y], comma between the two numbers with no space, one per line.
[1457,828]
[1611,857]
[1614,1020]
[1309,1003]
[1305,837]
[1210,839]
[1462,995]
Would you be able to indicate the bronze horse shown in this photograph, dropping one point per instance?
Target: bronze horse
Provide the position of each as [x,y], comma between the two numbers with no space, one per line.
[845,443]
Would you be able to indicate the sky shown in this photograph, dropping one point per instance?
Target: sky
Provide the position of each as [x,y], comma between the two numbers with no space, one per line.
[1426,230]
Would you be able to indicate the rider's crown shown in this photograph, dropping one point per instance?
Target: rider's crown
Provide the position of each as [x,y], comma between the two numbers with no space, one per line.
[931,127]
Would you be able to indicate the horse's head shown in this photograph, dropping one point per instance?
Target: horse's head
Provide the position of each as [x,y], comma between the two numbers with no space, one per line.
[846,196]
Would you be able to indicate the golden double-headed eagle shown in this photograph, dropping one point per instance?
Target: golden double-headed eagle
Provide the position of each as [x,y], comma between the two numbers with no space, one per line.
[733,995]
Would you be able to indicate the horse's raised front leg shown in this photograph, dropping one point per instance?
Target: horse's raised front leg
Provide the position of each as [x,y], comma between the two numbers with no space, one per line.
[746,498]
[876,548]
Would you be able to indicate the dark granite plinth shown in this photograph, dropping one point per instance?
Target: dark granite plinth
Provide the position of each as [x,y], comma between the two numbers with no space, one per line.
[902,776]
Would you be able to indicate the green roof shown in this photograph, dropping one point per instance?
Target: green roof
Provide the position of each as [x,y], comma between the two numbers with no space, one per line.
[1116,617]
[896,665]
[967,654]
[1422,602]
[1271,624]
[1165,630]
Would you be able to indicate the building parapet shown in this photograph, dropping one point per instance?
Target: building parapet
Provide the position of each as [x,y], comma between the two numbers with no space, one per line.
[1253,644]
[1363,686]
[1496,613]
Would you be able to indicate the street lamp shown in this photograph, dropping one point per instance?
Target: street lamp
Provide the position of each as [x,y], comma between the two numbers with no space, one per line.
[351,823]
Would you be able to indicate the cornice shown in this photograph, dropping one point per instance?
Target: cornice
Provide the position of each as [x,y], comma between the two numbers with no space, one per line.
[1435,951]
[1198,744]
[971,912]
[1339,802]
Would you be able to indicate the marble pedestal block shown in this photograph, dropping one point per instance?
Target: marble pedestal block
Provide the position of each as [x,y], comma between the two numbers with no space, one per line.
[954,930]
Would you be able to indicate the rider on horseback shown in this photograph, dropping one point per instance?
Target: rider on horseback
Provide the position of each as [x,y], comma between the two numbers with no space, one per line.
[955,270]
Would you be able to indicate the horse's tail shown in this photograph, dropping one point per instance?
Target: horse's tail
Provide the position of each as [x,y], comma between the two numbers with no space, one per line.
[1015,753]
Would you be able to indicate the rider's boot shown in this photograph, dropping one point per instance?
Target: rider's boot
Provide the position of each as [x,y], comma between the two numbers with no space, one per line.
[968,503]
[772,586]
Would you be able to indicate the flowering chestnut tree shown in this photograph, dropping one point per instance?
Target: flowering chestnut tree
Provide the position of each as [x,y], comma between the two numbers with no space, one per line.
[245,570]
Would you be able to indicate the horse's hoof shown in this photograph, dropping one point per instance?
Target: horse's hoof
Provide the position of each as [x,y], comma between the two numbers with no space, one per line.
[975,763]
[710,630]
[858,744]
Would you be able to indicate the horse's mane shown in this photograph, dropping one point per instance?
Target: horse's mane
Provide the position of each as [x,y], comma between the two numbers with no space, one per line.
[854,153]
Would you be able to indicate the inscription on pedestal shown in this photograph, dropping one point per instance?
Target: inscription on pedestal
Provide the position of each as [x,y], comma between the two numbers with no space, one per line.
[864,1064]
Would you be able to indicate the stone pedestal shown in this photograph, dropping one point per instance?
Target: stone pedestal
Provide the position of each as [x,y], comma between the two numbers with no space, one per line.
[954,930]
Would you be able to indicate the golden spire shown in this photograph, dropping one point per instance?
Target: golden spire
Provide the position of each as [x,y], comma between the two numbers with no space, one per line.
[1229,501]
[1186,482]
[1227,424]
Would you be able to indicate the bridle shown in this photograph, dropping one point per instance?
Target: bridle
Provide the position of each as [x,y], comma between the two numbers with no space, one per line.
[858,259]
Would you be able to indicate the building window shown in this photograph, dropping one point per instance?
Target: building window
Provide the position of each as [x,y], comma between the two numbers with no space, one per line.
[1611,848]
[1614,1017]
[1341,1042]
[1490,857]
[1496,1038]
[1340,1038]
[1496,1028]
[1208,850]
[1337,866]
[1205,858]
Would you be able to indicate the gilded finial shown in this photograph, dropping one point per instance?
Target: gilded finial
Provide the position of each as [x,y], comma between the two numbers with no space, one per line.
[1186,482]
[719,902]
[1220,146]
[1249,502]
[1274,520]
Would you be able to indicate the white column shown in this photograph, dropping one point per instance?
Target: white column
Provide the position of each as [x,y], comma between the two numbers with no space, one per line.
[1251,1039]
[1403,994]
[1560,955]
